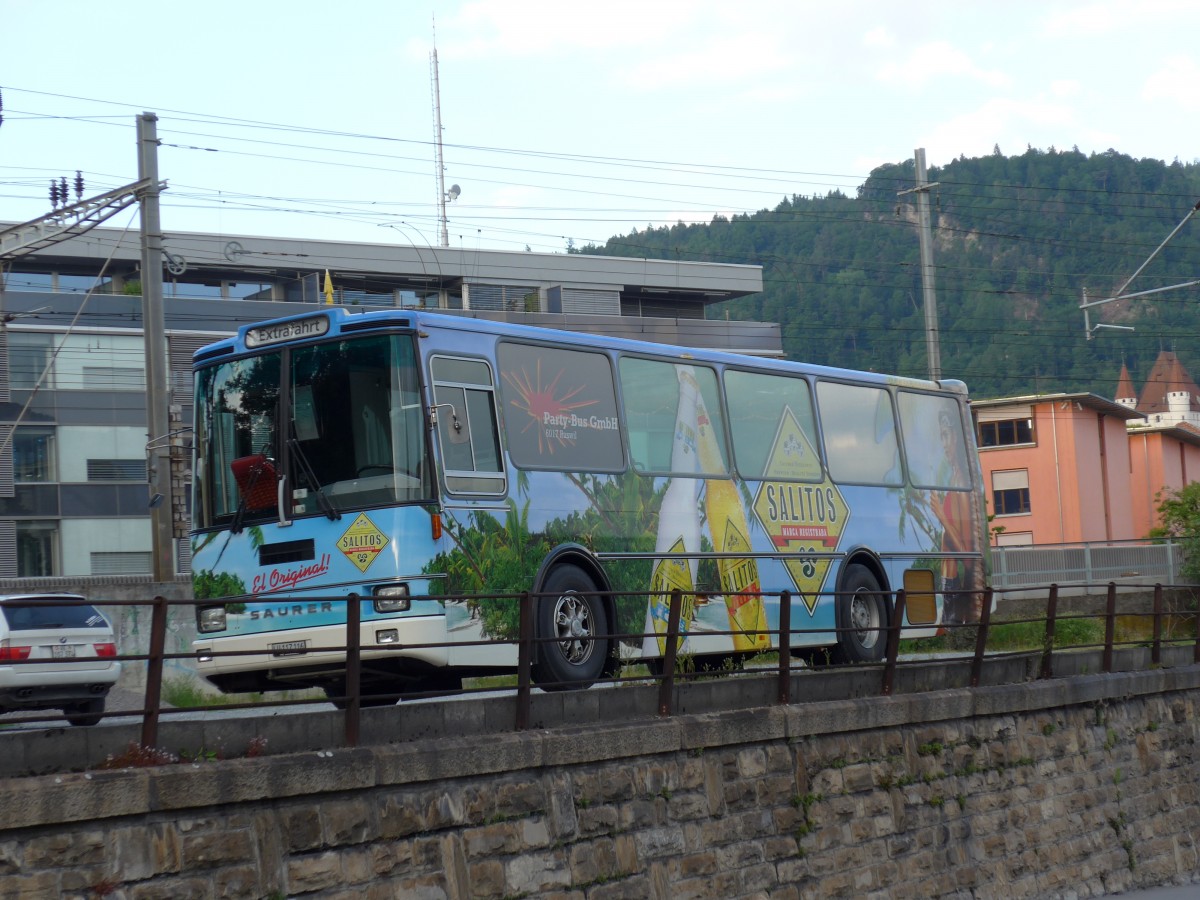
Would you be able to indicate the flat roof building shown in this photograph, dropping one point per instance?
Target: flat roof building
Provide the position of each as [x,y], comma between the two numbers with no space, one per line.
[73,479]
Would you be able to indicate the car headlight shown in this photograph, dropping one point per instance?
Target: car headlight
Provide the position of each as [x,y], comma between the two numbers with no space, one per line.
[391,598]
[210,619]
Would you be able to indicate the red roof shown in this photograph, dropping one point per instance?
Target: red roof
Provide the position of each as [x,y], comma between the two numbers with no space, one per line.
[1167,376]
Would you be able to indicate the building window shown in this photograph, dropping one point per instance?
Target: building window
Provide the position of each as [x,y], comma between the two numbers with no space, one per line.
[129,562]
[33,455]
[116,470]
[29,356]
[1011,502]
[1010,492]
[1005,432]
[113,378]
[37,549]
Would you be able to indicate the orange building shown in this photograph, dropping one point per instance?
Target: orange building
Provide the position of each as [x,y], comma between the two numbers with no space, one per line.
[1164,448]
[1163,457]
[1068,468]
[1056,468]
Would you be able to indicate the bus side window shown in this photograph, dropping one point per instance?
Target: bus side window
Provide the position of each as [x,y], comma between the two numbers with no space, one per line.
[465,396]
[860,434]
[653,393]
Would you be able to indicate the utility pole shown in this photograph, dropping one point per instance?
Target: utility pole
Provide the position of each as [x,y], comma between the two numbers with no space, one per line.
[157,420]
[925,233]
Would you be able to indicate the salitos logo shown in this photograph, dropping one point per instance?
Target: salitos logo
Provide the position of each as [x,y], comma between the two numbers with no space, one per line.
[362,542]
[801,518]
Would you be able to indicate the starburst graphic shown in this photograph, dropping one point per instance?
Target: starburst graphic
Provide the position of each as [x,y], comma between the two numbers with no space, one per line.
[545,406]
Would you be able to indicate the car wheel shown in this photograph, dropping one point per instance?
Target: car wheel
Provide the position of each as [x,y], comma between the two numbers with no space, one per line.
[862,618]
[572,616]
[89,712]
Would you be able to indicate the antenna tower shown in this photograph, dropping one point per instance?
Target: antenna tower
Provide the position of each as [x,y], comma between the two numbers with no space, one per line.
[437,143]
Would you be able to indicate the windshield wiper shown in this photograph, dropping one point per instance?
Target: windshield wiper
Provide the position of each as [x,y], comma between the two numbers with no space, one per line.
[323,500]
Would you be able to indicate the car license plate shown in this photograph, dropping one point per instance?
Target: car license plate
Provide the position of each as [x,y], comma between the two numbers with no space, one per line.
[289,648]
[62,651]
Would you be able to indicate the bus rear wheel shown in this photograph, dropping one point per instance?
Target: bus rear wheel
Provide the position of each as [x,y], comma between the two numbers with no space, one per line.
[572,615]
[862,618]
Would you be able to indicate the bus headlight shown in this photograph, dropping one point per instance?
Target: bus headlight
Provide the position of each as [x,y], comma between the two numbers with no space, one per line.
[391,598]
[210,619]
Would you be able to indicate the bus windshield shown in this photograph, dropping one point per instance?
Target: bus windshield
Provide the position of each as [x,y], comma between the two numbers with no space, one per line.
[339,424]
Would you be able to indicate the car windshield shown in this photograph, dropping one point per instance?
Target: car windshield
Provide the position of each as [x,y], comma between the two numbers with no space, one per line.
[29,617]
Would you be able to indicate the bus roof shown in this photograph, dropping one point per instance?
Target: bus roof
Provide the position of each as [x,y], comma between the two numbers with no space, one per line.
[338,320]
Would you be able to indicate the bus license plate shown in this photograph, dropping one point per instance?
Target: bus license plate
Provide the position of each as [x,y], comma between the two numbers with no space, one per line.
[289,648]
[62,651]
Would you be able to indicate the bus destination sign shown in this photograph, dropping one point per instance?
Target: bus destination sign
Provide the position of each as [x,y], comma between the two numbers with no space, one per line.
[280,332]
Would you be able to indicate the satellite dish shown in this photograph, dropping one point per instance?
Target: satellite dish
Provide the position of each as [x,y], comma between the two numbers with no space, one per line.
[454,191]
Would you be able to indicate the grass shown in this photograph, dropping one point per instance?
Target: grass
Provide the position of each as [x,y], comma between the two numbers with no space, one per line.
[1013,636]
[187,693]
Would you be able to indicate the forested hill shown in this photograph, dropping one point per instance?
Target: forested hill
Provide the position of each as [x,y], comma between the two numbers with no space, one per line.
[1017,240]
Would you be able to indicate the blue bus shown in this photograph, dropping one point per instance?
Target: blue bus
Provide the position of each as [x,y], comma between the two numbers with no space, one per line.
[415,462]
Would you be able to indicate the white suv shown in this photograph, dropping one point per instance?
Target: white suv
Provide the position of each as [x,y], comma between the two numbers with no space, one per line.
[78,647]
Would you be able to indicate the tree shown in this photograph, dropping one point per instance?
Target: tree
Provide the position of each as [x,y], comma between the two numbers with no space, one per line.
[1179,513]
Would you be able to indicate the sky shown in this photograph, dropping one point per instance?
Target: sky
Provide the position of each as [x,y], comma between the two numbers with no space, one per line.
[563,123]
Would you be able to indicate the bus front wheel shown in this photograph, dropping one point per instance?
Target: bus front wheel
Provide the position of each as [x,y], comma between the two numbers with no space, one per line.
[862,617]
[570,613]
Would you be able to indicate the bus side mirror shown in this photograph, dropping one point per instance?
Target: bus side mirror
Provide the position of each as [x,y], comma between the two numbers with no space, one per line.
[455,433]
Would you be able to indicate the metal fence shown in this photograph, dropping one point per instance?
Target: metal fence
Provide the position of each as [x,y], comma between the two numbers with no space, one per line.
[1089,563]
[1182,638]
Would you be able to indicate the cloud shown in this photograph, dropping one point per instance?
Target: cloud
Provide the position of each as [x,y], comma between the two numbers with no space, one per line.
[1108,17]
[1012,124]
[1175,82]
[1065,88]
[939,60]
[727,60]
[879,37]
[517,28]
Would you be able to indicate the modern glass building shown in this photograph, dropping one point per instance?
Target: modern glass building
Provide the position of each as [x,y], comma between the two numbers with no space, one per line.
[74,499]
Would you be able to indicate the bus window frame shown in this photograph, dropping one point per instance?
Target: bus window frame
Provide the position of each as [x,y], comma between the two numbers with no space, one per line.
[618,410]
[816,438]
[889,392]
[726,443]
[444,473]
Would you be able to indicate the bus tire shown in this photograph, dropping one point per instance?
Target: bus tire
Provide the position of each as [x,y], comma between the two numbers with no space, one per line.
[862,618]
[572,615]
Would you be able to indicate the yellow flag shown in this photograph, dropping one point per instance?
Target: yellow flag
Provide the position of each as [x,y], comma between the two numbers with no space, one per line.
[328,289]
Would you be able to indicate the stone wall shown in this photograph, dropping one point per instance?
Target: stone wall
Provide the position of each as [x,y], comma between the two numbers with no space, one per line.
[1075,787]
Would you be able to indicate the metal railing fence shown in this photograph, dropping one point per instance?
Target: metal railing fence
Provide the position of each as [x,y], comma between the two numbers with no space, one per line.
[1144,562]
[1180,627]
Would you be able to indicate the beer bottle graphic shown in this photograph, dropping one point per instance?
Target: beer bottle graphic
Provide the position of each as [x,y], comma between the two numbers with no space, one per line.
[678,526]
[730,534]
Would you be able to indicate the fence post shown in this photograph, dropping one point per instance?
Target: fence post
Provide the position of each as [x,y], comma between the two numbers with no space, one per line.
[1087,563]
[1048,644]
[893,643]
[1156,647]
[1196,649]
[785,648]
[1110,626]
[353,669]
[666,685]
[524,659]
[154,671]
[985,619]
